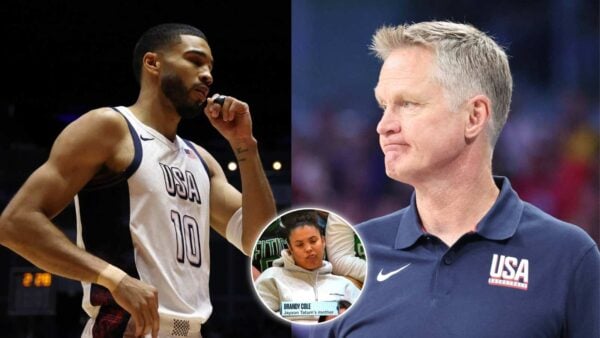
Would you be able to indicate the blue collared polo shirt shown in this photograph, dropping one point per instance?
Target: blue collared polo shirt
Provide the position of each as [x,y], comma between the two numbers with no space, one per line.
[522,273]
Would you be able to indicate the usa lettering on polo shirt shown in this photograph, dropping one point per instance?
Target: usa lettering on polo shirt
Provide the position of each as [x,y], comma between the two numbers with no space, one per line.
[521,273]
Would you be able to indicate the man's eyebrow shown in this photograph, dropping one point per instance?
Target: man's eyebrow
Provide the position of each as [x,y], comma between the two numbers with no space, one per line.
[201,54]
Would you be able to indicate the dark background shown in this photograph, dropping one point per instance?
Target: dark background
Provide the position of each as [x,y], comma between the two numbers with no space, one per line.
[62,59]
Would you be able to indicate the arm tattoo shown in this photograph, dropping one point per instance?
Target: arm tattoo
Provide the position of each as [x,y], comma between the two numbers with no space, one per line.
[239,151]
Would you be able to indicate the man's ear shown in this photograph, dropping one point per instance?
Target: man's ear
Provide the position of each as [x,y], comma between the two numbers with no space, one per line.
[151,63]
[479,111]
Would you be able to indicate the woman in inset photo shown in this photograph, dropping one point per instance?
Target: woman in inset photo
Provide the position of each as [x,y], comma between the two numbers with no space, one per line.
[301,278]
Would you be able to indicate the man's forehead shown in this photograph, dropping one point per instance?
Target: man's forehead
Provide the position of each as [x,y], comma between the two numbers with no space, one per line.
[402,81]
[191,42]
[407,65]
[408,58]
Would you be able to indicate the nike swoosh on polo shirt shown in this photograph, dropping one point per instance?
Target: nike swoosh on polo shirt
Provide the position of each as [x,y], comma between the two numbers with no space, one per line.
[384,276]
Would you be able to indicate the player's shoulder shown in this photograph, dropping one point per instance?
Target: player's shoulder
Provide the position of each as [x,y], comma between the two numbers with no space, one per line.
[102,120]
[101,126]
[104,115]
[94,138]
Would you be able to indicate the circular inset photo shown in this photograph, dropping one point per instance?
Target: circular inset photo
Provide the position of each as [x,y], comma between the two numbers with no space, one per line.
[309,266]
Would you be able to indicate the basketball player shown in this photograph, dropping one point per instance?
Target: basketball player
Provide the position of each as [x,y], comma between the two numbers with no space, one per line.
[467,257]
[145,197]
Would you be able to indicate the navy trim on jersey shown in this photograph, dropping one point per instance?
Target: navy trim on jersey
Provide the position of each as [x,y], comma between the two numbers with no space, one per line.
[106,181]
[137,145]
[191,145]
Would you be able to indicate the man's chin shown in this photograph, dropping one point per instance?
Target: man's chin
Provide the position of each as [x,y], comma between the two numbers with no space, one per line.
[397,173]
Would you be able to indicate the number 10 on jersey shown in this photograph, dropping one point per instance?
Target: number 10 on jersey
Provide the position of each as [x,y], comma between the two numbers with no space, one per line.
[187,235]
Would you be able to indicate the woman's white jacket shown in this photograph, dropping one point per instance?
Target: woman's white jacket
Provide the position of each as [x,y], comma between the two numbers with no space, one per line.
[286,281]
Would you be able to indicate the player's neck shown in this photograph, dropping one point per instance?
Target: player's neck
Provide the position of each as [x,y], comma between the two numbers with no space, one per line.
[155,113]
[453,205]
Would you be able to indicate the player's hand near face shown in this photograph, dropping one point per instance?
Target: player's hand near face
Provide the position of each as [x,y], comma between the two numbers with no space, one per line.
[232,119]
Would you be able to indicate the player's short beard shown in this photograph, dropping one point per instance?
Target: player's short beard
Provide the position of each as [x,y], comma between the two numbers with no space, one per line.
[174,89]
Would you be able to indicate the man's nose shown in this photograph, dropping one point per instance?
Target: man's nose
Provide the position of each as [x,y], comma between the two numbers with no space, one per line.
[206,77]
[388,124]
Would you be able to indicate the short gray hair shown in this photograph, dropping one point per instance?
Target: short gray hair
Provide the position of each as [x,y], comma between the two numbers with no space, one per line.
[469,62]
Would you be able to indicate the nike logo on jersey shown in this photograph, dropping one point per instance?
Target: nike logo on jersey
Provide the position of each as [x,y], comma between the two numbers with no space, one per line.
[146,138]
[509,272]
[384,276]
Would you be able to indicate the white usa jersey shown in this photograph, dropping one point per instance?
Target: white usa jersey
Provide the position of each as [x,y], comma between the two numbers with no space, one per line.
[152,222]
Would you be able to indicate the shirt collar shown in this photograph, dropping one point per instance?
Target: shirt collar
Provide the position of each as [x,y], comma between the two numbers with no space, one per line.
[502,220]
[410,228]
[499,223]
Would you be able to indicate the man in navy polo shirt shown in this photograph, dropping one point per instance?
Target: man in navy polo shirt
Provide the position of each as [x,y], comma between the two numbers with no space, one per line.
[467,257]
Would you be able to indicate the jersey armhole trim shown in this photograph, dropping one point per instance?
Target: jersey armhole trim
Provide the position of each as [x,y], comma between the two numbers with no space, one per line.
[137,145]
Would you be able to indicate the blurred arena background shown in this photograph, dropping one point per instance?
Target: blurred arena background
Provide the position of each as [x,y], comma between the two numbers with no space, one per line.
[549,147]
[62,59]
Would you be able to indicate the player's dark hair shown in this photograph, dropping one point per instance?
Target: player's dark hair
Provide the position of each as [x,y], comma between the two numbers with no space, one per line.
[157,38]
[300,218]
